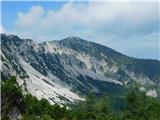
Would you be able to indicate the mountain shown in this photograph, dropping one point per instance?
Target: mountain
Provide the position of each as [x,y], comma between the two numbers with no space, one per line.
[65,71]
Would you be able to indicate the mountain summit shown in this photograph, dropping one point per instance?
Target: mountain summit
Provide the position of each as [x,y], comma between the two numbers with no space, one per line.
[66,70]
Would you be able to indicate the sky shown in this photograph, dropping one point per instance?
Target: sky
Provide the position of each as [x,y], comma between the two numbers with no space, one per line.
[129,27]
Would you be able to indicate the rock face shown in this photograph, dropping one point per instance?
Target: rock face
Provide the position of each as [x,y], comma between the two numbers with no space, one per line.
[63,71]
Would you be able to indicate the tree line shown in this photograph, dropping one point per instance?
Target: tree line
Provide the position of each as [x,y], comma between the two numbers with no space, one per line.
[137,106]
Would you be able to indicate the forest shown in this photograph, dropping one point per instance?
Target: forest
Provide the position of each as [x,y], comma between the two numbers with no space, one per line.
[136,106]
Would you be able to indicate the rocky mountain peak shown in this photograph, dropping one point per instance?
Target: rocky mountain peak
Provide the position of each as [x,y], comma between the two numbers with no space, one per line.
[75,64]
[73,40]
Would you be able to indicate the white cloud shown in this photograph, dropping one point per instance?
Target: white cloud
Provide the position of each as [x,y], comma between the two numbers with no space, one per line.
[2,30]
[100,22]
[27,20]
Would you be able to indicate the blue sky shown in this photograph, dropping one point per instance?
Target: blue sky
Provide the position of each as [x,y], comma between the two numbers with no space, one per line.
[11,8]
[128,27]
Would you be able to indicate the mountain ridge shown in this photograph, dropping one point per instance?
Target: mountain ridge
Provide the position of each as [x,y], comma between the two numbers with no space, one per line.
[78,65]
[74,38]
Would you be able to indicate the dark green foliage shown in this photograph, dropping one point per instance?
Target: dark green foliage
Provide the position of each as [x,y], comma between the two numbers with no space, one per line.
[137,106]
[93,109]
[10,95]
[42,108]
[31,108]
[28,117]
[141,107]
[46,117]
